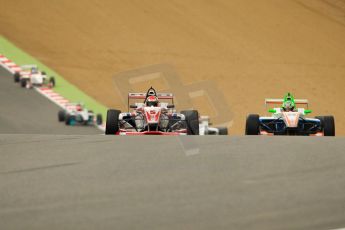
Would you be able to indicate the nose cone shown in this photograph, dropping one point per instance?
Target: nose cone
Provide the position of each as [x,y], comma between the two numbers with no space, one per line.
[152,114]
[291,119]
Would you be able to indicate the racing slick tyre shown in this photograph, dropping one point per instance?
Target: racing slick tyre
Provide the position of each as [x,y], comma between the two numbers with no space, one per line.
[43,73]
[23,82]
[16,77]
[192,121]
[99,119]
[223,131]
[52,82]
[112,125]
[62,115]
[327,124]
[253,124]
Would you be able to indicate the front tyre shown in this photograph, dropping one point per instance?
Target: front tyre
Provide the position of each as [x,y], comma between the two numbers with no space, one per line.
[253,124]
[112,125]
[328,125]
[99,119]
[23,82]
[62,115]
[192,121]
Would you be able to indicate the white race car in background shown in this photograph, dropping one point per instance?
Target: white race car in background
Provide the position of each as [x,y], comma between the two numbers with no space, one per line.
[76,113]
[205,129]
[30,76]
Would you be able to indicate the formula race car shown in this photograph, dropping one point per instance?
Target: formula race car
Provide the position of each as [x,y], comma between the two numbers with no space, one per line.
[76,113]
[289,120]
[205,129]
[30,76]
[152,116]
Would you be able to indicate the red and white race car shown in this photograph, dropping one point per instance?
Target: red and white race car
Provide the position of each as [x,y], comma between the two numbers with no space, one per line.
[156,115]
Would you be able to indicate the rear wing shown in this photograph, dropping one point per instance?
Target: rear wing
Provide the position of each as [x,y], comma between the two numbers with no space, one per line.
[280,102]
[161,96]
[143,96]
[28,66]
[72,105]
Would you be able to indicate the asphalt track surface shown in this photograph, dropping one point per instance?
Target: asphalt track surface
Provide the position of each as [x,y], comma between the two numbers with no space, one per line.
[107,182]
[26,111]
[115,182]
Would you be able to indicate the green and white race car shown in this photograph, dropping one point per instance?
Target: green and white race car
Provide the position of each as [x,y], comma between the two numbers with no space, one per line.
[289,120]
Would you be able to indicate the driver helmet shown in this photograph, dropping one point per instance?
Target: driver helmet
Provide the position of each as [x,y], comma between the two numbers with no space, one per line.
[79,107]
[34,70]
[152,101]
[288,106]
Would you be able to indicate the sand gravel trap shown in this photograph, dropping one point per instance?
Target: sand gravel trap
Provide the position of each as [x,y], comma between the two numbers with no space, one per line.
[249,49]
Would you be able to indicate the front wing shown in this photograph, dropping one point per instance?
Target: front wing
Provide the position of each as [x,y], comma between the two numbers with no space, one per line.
[276,126]
[133,133]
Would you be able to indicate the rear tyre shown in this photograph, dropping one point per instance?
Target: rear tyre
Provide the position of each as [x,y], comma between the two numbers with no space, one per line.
[99,119]
[16,77]
[23,82]
[253,124]
[62,115]
[192,121]
[112,125]
[328,125]
[223,131]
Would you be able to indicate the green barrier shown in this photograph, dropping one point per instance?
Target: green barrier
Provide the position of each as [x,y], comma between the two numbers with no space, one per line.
[63,87]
